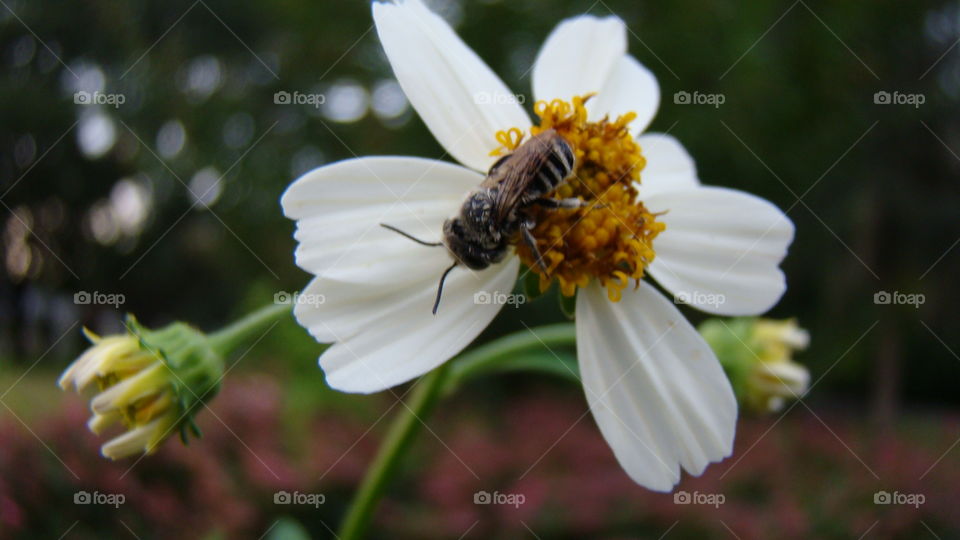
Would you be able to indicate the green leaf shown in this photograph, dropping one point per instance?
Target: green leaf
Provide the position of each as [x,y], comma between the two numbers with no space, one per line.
[288,528]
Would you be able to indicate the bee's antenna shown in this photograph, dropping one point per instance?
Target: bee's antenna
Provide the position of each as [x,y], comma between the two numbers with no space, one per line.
[417,240]
[443,278]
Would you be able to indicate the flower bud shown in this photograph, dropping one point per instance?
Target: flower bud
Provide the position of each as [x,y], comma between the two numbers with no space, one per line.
[150,382]
[757,355]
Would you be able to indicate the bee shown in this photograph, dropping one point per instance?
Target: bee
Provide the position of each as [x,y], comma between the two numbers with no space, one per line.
[497,214]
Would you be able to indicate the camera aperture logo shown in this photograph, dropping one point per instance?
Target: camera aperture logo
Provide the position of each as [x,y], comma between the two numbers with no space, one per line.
[497,298]
[709,499]
[909,499]
[97,298]
[511,499]
[699,298]
[295,298]
[99,98]
[297,98]
[308,499]
[897,298]
[899,98]
[698,98]
[109,499]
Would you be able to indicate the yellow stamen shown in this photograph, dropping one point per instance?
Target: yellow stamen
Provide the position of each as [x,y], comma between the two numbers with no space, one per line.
[508,140]
[611,239]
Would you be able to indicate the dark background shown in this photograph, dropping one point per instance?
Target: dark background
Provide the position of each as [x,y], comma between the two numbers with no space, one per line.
[101,199]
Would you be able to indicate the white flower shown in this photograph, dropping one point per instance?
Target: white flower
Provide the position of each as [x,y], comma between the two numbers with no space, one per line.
[656,389]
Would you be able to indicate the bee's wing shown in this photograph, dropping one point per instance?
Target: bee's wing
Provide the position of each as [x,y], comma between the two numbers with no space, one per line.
[513,179]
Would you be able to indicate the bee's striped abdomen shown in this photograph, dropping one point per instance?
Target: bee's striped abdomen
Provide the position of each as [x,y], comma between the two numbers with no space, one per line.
[556,167]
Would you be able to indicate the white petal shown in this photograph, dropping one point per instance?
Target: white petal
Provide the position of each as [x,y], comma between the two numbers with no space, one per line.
[631,87]
[139,439]
[578,57]
[654,386]
[387,335]
[459,98]
[669,166]
[100,422]
[339,209]
[721,250]
[784,378]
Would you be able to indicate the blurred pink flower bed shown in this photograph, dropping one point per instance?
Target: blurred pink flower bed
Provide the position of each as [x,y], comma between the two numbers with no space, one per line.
[801,477]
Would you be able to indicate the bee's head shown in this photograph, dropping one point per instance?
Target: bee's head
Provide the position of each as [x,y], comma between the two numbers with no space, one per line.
[462,244]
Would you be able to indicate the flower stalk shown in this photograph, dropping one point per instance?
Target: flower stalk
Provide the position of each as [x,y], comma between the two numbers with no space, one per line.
[402,431]
[507,353]
[228,338]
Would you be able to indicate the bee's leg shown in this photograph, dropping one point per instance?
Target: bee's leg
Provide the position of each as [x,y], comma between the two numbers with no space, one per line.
[547,202]
[554,204]
[525,228]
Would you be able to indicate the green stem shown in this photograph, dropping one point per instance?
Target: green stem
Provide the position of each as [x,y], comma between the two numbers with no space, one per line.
[226,339]
[385,464]
[497,351]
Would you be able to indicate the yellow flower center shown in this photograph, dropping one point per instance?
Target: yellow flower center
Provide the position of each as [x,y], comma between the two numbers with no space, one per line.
[611,239]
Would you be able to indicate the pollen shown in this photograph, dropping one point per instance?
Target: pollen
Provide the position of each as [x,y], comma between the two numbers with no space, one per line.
[610,239]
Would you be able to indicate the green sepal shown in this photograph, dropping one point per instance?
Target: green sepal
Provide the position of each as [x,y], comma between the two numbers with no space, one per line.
[183,434]
[188,426]
[729,339]
[568,305]
[531,283]
[197,369]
